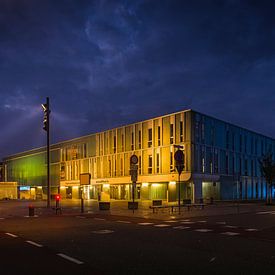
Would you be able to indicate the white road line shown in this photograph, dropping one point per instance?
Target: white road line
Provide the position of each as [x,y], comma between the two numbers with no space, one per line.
[123,221]
[145,223]
[103,231]
[220,222]
[251,229]
[187,222]
[230,233]
[34,243]
[69,258]
[171,221]
[99,219]
[203,230]
[2,218]
[181,227]
[162,225]
[35,216]
[231,226]
[202,221]
[11,235]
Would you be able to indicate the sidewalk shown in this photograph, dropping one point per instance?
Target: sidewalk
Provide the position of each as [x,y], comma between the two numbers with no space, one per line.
[120,208]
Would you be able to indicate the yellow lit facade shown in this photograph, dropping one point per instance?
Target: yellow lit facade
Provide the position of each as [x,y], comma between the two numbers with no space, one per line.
[215,152]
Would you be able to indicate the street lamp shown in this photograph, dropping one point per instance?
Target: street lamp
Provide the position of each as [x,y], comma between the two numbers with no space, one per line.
[46,127]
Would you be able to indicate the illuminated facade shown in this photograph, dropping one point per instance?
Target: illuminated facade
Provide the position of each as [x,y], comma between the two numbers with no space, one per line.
[221,161]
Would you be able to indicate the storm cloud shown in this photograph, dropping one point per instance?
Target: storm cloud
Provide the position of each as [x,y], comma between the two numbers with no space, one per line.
[108,63]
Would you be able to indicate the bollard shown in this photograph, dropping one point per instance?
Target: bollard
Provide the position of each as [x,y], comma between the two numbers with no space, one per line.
[31,211]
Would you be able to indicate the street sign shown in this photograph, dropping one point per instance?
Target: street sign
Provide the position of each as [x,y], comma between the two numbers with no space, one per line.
[133,159]
[179,158]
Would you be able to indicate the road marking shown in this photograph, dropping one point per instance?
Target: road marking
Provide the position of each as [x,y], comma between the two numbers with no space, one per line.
[231,226]
[103,231]
[99,219]
[220,222]
[34,243]
[203,230]
[171,221]
[181,227]
[123,221]
[202,221]
[80,217]
[162,225]
[145,223]
[187,222]
[35,216]
[11,235]
[2,218]
[251,229]
[230,233]
[266,212]
[70,258]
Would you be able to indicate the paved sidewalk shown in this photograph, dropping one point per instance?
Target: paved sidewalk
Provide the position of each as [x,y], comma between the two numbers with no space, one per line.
[72,207]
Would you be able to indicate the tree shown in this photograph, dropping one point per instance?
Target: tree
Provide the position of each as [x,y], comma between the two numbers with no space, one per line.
[267,166]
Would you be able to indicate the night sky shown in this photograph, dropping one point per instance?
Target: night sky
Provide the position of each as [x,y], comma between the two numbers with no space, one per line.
[109,63]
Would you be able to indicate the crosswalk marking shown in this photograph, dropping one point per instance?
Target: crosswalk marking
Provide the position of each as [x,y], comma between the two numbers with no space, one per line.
[231,226]
[230,233]
[203,230]
[123,221]
[251,229]
[103,231]
[70,258]
[34,243]
[145,223]
[181,227]
[162,225]
[12,235]
[187,222]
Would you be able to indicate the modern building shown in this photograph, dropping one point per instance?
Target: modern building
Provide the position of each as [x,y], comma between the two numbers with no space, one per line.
[221,161]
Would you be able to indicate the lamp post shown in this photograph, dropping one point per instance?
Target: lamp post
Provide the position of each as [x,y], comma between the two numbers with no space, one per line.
[46,127]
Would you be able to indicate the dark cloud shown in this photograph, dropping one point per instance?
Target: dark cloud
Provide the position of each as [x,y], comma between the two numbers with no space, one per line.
[108,63]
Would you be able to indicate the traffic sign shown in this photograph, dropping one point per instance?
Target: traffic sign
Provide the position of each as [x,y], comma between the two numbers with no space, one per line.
[134,159]
[179,158]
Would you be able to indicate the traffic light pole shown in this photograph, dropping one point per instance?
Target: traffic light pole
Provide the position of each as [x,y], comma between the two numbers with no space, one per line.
[48,154]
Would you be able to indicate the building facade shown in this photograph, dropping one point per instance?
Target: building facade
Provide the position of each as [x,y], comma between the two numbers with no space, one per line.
[221,162]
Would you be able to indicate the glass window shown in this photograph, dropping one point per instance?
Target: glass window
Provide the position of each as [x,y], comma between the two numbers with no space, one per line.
[171,133]
[150,164]
[181,131]
[157,163]
[158,135]
[150,137]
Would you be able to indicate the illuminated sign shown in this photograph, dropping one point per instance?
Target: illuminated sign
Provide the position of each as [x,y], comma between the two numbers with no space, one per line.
[24,188]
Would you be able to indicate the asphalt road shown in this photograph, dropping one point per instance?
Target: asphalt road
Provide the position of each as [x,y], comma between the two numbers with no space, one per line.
[108,244]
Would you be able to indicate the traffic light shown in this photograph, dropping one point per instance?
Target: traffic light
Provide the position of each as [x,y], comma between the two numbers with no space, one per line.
[57,197]
[46,117]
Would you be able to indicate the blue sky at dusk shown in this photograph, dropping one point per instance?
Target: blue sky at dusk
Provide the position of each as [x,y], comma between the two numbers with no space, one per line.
[109,63]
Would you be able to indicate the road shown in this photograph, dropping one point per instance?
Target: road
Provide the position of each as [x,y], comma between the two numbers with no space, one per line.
[109,244]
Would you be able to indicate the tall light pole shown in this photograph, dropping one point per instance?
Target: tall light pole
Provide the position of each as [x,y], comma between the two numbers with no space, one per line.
[46,127]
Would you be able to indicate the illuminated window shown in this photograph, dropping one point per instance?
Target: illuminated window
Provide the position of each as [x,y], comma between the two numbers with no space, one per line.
[171,133]
[150,137]
[181,131]
[139,139]
[122,142]
[157,163]
[114,144]
[121,167]
[158,135]
[132,141]
[171,162]
[150,164]
[139,165]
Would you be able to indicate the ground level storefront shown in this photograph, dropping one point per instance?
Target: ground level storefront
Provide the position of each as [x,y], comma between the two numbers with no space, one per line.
[143,191]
